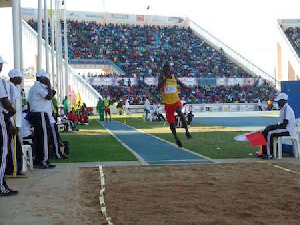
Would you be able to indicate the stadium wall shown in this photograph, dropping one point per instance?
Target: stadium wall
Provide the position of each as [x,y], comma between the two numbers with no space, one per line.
[288,62]
[199,108]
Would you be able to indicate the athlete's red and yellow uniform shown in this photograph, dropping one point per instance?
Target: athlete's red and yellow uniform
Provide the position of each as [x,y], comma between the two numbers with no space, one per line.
[170,97]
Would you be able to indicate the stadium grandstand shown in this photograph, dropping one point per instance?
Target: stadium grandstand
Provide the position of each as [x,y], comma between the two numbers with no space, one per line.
[288,50]
[131,117]
[136,52]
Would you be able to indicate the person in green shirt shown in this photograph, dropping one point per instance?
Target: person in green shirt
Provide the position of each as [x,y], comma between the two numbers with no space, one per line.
[100,109]
[107,108]
[55,105]
[65,104]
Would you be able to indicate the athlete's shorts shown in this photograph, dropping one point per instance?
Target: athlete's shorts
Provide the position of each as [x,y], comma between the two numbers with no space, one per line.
[107,110]
[170,111]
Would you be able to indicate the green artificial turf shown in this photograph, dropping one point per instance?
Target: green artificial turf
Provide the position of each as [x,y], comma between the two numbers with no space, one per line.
[139,123]
[95,148]
[92,143]
[216,145]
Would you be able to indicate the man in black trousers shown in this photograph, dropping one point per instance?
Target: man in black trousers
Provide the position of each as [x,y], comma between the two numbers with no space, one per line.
[39,100]
[6,111]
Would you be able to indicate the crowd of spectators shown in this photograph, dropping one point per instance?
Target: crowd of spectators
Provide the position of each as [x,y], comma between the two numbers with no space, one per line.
[293,34]
[228,94]
[140,50]
[136,96]
[199,94]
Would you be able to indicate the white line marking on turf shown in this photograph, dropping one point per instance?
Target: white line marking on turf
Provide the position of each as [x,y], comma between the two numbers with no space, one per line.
[187,150]
[101,196]
[140,159]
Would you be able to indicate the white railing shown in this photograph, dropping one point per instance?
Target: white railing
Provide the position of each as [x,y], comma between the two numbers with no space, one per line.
[246,64]
[89,95]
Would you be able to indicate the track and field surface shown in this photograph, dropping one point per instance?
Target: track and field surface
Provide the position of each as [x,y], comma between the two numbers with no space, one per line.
[152,150]
[237,121]
[241,193]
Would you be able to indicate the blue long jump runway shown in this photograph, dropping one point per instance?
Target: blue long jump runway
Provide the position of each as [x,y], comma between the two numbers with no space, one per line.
[237,121]
[151,149]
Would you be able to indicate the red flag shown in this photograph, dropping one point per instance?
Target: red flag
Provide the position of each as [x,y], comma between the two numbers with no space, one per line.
[256,138]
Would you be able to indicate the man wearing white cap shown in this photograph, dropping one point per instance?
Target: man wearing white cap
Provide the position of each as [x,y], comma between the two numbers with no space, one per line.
[285,127]
[14,97]
[39,102]
[6,111]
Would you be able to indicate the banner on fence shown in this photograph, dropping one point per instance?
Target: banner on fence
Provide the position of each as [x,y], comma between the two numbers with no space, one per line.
[167,19]
[239,81]
[189,81]
[127,17]
[151,81]
[112,81]
[85,15]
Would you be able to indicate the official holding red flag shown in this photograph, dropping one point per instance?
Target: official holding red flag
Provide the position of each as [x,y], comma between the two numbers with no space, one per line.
[285,127]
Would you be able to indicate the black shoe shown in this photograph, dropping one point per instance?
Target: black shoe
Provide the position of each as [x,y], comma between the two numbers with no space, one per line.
[188,135]
[51,166]
[267,157]
[41,166]
[178,142]
[8,192]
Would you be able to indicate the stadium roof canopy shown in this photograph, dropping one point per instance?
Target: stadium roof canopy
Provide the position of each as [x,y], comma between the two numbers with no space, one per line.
[5,3]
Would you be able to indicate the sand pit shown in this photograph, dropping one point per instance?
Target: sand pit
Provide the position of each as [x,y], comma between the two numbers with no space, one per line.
[243,193]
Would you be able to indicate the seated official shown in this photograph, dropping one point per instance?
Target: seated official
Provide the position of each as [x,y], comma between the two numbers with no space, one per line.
[285,127]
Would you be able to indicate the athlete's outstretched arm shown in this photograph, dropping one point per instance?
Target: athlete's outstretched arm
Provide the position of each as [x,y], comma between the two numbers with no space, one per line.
[182,84]
[161,82]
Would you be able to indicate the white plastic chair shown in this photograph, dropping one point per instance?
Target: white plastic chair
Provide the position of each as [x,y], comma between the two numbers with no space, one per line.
[27,157]
[294,139]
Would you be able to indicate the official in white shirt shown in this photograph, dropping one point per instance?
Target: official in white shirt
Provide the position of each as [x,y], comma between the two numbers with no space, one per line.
[285,127]
[147,108]
[14,97]
[187,112]
[127,112]
[159,113]
[6,110]
[39,102]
